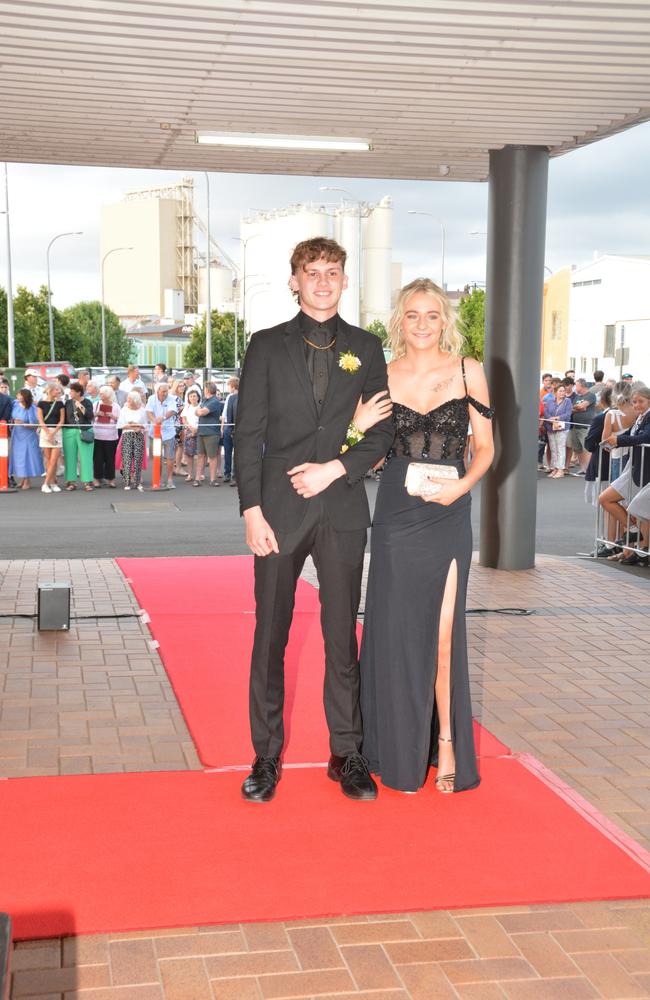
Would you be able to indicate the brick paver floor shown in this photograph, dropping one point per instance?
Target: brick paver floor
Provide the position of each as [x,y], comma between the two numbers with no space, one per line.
[569,684]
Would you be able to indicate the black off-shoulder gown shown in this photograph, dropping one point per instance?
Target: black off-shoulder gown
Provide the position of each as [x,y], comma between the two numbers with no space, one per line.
[413,546]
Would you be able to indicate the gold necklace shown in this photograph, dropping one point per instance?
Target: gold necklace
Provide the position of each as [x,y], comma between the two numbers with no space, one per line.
[317,347]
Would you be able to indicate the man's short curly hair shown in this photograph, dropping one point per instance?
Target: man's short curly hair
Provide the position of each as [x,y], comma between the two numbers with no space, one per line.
[317,248]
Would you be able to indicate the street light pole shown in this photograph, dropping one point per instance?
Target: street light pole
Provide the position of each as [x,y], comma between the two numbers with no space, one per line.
[208,316]
[243,297]
[107,254]
[412,211]
[11,340]
[49,290]
[260,286]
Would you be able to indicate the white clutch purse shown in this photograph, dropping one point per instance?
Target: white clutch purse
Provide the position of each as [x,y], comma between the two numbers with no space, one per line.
[420,476]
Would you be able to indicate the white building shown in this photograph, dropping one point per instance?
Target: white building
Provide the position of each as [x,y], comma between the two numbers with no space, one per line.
[609,317]
[268,239]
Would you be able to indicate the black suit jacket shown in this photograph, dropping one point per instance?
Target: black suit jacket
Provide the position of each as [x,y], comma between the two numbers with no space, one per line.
[278,425]
[6,406]
[640,456]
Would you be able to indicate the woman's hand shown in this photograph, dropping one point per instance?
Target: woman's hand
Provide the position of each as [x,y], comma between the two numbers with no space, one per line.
[451,490]
[377,408]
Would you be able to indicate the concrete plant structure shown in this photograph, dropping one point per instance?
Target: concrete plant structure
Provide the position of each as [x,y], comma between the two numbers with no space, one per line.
[270,236]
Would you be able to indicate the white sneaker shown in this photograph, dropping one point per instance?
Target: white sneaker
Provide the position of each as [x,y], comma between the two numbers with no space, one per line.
[171,486]
[45,488]
[127,487]
[140,488]
[55,488]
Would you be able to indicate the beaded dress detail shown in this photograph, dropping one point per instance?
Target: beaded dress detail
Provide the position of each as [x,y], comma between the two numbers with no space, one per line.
[441,433]
[414,544]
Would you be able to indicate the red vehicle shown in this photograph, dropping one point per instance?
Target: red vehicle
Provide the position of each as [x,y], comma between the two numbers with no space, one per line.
[50,369]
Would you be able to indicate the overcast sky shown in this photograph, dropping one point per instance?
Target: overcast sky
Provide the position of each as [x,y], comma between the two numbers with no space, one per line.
[599,200]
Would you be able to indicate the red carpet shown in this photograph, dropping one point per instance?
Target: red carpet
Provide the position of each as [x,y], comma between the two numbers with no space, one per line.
[212,690]
[132,851]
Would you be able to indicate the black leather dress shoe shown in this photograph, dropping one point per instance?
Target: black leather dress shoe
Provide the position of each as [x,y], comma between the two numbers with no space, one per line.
[353,775]
[261,783]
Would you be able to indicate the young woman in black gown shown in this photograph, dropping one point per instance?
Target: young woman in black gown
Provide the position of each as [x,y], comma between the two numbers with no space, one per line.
[415,697]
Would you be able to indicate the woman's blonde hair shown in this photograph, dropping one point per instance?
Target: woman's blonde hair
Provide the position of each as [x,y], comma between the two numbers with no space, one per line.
[175,386]
[451,341]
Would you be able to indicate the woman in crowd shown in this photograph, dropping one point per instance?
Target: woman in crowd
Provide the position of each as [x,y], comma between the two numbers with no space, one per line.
[132,422]
[51,414]
[618,498]
[619,419]
[415,697]
[78,439]
[177,390]
[598,468]
[106,413]
[190,422]
[26,459]
[557,417]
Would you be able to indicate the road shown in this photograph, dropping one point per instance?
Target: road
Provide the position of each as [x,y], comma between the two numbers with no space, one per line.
[196,521]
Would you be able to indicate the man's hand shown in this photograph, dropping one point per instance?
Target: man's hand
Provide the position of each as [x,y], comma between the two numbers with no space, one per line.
[311,478]
[259,533]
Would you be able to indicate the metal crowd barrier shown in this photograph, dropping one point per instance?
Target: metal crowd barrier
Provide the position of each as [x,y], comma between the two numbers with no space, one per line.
[606,526]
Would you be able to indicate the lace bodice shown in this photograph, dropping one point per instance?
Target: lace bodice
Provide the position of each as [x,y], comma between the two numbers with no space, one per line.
[440,433]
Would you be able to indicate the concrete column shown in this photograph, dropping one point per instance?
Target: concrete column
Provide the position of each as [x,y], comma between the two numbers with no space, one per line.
[513,336]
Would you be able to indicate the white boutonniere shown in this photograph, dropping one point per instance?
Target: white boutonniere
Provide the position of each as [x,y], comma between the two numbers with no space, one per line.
[349,362]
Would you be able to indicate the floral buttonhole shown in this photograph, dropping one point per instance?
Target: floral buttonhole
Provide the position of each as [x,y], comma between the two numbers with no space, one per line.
[349,362]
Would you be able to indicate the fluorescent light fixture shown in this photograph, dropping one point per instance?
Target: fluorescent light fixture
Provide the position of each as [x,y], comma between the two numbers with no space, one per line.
[255,139]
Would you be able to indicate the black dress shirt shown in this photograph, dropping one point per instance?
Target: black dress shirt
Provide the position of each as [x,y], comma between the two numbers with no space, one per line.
[319,362]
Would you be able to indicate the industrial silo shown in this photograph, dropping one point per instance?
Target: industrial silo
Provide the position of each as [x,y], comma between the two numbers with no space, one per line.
[347,233]
[377,229]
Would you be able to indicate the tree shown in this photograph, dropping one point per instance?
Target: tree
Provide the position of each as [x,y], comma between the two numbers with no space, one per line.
[223,342]
[31,326]
[379,329]
[84,322]
[471,322]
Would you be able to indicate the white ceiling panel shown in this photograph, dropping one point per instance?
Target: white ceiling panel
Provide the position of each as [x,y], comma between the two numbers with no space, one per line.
[429,84]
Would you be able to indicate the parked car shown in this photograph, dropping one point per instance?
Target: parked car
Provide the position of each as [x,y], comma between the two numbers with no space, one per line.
[50,369]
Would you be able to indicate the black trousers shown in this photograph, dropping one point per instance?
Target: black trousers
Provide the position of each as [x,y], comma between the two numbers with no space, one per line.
[338,557]
[104,459]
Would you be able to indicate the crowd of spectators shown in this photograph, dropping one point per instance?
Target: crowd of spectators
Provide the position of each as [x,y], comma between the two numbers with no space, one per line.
[601,430]
[75,434]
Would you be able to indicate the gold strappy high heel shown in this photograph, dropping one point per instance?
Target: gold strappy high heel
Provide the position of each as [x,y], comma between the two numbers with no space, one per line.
[442,778]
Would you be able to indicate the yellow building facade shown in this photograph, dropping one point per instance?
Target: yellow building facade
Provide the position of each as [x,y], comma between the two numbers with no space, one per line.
[555,322]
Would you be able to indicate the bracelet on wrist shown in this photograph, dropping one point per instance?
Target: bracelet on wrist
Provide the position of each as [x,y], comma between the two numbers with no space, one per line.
[353,436]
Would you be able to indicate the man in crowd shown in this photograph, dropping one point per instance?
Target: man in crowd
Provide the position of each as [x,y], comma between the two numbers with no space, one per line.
[627,377]
[83,377]
[134,382]
[598,383]
[228,428]
[31,383]
[570,374]
[64,382]
[584,411]
[161,409]
[547,378]
[159,375]
[208,433]
[6,402]
[120,396]
[190,383]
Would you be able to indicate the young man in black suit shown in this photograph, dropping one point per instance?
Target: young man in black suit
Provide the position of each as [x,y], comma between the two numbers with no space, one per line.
[301,495]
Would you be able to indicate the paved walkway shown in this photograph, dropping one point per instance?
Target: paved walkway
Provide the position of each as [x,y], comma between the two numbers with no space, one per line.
[569,684]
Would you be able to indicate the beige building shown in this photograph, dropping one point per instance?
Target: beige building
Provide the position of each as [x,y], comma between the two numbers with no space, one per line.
[135,280]
[555,322]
